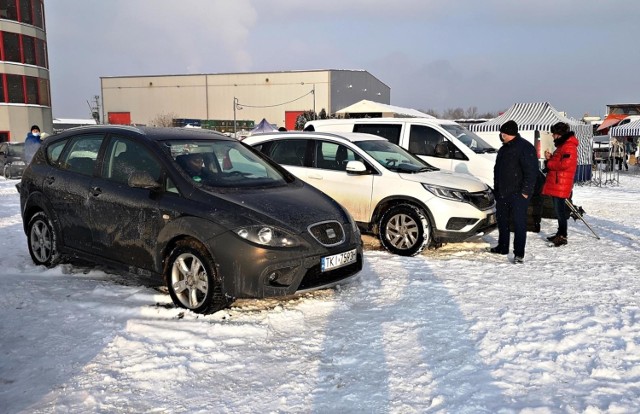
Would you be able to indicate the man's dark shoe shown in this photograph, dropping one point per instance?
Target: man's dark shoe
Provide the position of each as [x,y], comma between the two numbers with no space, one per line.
[518,259]
[550,238]
[497,251]
[559,241]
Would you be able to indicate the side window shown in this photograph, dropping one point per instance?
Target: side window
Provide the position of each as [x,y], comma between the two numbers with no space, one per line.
[389,131]
[332,156]
[289,152]
[54,151]
[82,154]
[124,156]
[424,140]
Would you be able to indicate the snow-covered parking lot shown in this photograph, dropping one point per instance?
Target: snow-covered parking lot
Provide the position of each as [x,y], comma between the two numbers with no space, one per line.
[455,330]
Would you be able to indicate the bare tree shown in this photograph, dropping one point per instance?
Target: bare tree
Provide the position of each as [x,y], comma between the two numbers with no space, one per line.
[163,120]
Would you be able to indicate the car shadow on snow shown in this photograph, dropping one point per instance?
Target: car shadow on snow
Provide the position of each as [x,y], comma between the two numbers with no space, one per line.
[399,342]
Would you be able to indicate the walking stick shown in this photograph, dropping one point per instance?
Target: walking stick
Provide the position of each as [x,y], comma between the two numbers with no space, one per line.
[577,213]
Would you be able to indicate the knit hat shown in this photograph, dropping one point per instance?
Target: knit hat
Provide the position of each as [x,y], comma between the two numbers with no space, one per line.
[560,128]
[34,127]
[509,128]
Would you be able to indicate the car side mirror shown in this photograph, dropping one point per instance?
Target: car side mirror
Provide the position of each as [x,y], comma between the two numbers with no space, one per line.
[142,179]
[356,167]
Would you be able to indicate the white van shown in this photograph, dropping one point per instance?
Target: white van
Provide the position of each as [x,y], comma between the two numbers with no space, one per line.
[442,143]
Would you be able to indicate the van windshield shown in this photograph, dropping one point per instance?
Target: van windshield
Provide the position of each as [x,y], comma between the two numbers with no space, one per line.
[468,138]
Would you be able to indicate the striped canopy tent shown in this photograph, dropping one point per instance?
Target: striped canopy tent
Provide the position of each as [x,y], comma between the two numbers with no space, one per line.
[540,116]
[631,129]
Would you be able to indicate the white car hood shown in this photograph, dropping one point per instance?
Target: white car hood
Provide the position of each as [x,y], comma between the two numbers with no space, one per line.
[447,179]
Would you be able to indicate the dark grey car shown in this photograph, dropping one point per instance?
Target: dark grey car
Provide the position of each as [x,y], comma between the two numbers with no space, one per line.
[210,216]
[12,159]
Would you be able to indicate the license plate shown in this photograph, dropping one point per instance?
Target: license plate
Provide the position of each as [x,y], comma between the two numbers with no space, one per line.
[491,218]
[338,260]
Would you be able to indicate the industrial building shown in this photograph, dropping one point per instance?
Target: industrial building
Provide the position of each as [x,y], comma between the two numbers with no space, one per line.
[25,97]
[220,101]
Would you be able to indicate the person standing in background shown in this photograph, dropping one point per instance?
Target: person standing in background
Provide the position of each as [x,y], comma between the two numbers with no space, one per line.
[514,180]
[32,143]
[561,170]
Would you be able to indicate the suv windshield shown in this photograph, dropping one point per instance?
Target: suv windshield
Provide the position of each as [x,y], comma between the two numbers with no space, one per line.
[223,164]
[468,138]
[394,157]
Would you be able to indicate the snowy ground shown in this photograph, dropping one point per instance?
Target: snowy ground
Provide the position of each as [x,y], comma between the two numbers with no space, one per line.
[456,330]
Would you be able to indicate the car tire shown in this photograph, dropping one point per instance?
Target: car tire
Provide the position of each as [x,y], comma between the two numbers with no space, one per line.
[191,279]
[42,240]
[7,172]
[404,229]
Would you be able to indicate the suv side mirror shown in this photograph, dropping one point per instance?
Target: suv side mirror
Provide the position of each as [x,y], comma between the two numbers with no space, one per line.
[142,179]
[356,167]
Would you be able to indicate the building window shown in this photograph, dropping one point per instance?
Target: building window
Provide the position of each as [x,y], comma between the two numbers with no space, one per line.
[2,89]
[8,10]
[41,53]
[11,47]
[43,92]
[24,89]
[29,50]
[33,51]
[31,84]
[15,88]
[24,11]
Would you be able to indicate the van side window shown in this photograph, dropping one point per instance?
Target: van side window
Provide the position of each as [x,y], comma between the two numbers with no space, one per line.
[388,131]
[424,140]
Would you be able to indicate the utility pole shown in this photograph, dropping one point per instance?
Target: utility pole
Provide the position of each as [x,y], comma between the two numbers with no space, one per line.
[94,107]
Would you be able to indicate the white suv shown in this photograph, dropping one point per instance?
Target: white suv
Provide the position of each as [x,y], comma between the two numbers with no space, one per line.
[405,201]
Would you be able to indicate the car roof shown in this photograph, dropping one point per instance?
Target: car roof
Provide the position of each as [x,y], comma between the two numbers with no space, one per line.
[151,133]
[387,120]
[335,136]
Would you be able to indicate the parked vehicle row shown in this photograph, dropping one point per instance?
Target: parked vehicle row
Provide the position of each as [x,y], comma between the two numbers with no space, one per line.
[210,217]
[442,143]
[407,202]
[12,159]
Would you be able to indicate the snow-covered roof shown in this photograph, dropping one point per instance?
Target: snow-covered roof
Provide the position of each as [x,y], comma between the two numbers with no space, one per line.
[366,106]
[74,121]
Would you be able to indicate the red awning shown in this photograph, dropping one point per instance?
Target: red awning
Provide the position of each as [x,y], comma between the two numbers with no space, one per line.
[610,121]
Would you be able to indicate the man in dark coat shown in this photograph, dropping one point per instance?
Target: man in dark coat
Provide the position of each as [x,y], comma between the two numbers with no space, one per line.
[514,180]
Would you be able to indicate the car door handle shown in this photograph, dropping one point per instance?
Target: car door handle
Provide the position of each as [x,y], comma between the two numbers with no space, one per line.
[96,191]
[315,177]
[49,180]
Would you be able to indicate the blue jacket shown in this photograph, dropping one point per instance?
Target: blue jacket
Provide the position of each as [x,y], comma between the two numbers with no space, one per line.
[516,169]
[31,145]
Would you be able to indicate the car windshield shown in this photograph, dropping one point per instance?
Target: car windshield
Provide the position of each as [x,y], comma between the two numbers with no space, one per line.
[468,138]
[393,157]
[226,164]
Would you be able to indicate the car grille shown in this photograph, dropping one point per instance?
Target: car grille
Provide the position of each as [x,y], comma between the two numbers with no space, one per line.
[316,277]
[327,233]
[482,200]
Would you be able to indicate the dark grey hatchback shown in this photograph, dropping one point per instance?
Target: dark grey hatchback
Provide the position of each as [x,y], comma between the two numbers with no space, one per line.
[207,215]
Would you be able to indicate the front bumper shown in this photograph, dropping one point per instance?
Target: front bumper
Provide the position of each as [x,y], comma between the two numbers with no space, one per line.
[251,271]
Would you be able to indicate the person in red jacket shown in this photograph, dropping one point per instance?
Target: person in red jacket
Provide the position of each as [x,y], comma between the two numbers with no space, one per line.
[561,170]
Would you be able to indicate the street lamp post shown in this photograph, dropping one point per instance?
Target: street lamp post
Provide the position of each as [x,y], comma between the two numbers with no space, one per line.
[235,106]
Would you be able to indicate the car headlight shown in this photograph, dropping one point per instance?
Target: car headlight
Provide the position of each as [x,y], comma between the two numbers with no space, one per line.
[446,193]
[268,236]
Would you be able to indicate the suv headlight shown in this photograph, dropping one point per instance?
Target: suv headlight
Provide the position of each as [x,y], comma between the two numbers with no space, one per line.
[268,236]
[447,193]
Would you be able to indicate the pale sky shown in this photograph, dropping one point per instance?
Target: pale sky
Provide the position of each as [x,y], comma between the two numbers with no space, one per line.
[578,55]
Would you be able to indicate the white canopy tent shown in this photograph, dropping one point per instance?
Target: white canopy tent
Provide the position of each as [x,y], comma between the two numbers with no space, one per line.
[533,118]
[370,107]
[631,129]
